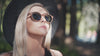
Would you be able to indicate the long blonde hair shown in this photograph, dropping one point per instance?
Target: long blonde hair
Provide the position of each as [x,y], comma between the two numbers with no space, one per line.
[19,45]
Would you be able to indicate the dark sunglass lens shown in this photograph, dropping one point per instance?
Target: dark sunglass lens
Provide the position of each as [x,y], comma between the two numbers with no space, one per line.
[36,16]
[48,18]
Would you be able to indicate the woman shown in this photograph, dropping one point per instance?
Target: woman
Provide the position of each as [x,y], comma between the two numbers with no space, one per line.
[31,24]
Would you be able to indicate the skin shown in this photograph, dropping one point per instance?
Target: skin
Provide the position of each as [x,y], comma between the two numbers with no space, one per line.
[36,32]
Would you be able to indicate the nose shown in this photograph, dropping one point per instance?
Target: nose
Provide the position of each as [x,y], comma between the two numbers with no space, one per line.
[43,19]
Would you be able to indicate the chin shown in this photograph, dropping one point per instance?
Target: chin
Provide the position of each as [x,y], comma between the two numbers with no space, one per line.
[42,34]
[38,32]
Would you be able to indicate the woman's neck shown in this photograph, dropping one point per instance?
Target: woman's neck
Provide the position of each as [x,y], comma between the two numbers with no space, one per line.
[34,46]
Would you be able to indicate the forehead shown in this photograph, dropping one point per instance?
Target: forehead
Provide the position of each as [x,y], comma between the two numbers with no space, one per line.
[38,9]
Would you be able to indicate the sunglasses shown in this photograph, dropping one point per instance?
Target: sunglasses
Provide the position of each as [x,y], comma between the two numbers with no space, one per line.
[37,16]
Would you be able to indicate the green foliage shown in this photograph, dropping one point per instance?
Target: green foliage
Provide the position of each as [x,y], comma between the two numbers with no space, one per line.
[66,51]
[3,5]
[4,46]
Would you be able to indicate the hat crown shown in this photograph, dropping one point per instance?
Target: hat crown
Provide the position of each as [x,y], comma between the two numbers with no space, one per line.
[14,9]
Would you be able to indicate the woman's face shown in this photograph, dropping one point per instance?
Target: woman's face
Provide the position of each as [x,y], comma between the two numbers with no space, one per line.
[37,27]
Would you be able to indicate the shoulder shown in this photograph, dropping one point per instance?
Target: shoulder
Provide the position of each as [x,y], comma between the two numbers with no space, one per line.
[55,52]
[6,54]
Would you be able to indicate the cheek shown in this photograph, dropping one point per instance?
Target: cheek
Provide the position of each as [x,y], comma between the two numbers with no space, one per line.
[30,26]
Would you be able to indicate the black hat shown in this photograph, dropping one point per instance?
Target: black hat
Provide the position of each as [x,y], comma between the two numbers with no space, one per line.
[14,9]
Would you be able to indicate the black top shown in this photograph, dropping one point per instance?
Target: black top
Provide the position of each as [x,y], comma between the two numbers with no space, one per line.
[47,52]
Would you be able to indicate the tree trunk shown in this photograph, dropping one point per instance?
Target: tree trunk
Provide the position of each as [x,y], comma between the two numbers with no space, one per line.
[98,37]
[61,4]
[62,15]
[73,19]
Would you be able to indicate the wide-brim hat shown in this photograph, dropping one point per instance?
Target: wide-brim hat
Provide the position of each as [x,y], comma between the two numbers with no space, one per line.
[14,9]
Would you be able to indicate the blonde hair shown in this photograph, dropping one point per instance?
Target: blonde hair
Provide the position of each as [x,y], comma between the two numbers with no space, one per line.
[19,45]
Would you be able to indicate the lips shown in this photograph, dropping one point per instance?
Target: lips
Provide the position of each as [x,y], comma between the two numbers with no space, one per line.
[44,27]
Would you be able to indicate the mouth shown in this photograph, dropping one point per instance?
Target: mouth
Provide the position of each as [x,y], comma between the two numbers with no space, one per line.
[44,27]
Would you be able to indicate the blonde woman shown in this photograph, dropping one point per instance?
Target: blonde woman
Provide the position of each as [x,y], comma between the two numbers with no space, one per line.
[28,27]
